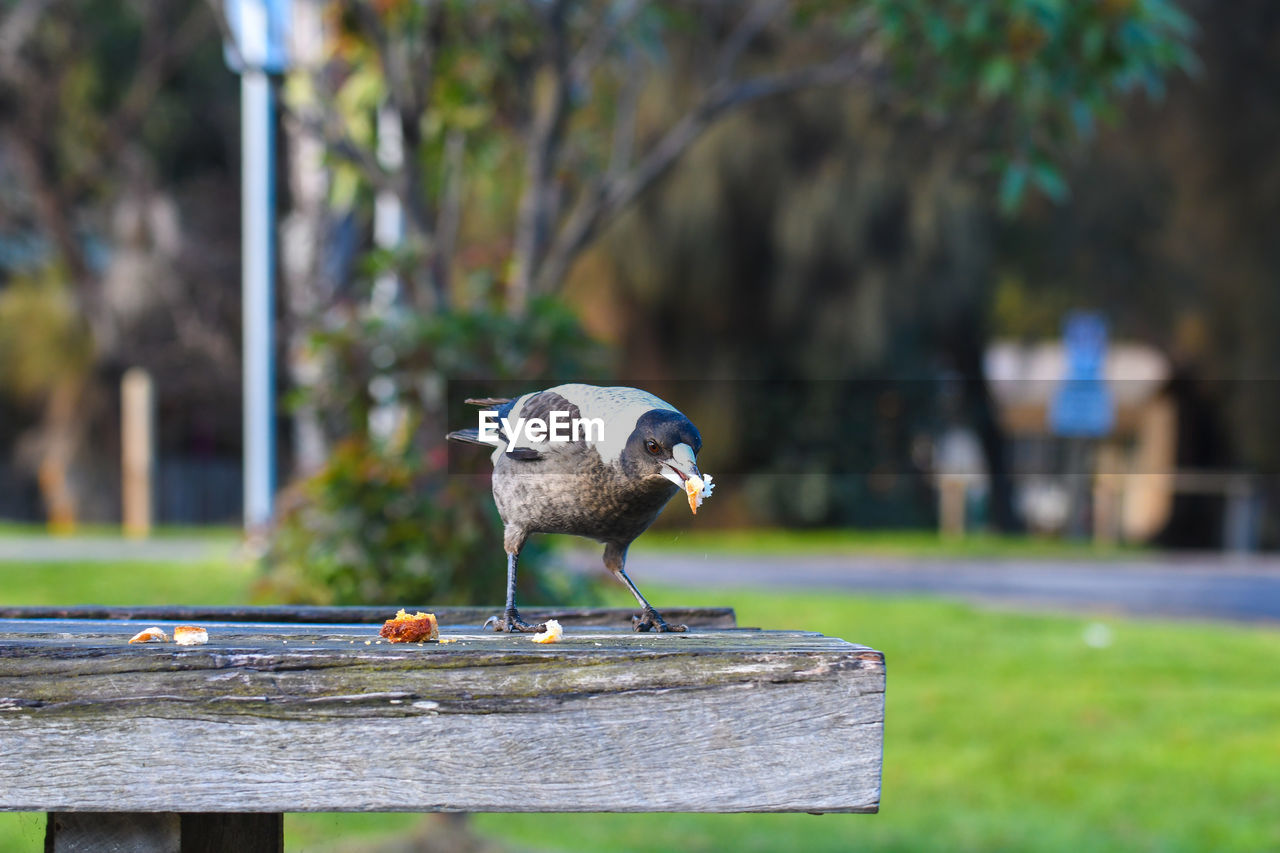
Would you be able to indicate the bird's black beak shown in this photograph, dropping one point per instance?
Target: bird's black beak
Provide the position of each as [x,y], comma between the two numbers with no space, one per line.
[681,466]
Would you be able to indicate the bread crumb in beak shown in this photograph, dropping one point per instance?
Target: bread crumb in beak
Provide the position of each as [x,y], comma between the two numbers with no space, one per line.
[697,488]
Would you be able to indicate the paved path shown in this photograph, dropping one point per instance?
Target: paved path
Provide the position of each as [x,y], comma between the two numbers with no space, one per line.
[1201,586]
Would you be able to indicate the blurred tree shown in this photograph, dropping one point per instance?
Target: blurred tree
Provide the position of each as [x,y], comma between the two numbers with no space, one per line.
[878,203]
[547,121]
[473,122]
[381,521]
[526,130]
[530,109]
[45,357]
[1027,82]
[1170,232]
[93,122]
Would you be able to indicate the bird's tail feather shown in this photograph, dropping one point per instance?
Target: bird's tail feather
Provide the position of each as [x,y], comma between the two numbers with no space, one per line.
[487,402]
[468,436]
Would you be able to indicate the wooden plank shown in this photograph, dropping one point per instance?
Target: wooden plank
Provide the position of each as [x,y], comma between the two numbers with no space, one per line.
[280,718]
[694,617]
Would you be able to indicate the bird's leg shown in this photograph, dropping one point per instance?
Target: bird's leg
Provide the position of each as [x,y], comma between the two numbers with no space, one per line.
[615,559]
[510,621]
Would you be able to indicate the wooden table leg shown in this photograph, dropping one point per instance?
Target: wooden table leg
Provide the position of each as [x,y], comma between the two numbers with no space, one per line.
[216,832]
[112,832]
[145,832]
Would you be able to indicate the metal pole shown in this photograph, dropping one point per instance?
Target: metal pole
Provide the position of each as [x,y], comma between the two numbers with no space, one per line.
[258,225]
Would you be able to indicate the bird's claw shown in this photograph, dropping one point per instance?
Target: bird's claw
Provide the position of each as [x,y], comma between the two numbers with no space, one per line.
[511,623]
[651,620]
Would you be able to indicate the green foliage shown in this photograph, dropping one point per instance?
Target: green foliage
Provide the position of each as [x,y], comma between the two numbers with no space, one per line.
[1040,73]
[387,520]
[379,526]
[43,339]
[402,358]
[473,80]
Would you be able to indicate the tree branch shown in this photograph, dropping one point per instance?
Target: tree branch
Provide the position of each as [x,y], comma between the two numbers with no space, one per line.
[624,121]
[449,215]
[538,202]
[14,31]
[399,87]
[421,64]
[52,210]
[603,202]
[224,28]
[748,28]
[151,77]
[604,34]
[317,119]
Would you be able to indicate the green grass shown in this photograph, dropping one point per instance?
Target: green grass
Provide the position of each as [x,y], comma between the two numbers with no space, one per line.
[208,582]
[1004,731]
[1010,732]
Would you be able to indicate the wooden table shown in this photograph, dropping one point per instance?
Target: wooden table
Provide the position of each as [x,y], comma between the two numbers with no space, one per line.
[306,709]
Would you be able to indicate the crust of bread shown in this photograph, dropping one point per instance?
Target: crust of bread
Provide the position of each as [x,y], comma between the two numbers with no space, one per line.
[417,628]
[150,635]
[190,635]
[693,489]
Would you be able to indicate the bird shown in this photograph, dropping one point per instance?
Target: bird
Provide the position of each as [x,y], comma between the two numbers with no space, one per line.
[607,480]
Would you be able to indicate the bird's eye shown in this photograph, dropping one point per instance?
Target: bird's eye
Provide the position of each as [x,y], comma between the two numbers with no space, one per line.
[652,446]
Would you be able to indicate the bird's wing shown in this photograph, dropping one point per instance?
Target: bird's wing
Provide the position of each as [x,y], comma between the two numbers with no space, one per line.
[539,405]
[619,407]
[542,404]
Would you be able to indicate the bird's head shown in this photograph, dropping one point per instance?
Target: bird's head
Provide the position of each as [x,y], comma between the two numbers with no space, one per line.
[664,444]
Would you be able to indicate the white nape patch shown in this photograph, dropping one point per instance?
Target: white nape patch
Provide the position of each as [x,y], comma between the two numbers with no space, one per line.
[619,407]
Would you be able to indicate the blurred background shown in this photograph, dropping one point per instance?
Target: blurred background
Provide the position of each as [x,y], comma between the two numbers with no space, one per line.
[969,300]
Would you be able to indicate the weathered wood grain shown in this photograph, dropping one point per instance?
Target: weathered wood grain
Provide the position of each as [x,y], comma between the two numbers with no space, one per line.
[694,617]
[277,718]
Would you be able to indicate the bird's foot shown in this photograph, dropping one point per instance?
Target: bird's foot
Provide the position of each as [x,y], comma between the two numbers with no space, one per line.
[511,623]
[651,620]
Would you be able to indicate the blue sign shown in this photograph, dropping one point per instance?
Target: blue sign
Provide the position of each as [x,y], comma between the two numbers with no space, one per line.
[1082,406]
[259,35]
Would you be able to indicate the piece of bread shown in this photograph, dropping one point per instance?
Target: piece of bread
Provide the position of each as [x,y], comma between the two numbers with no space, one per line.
[693,489]
[697,488]
[552,634]
[150,635]
[411,629]
[190,635]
